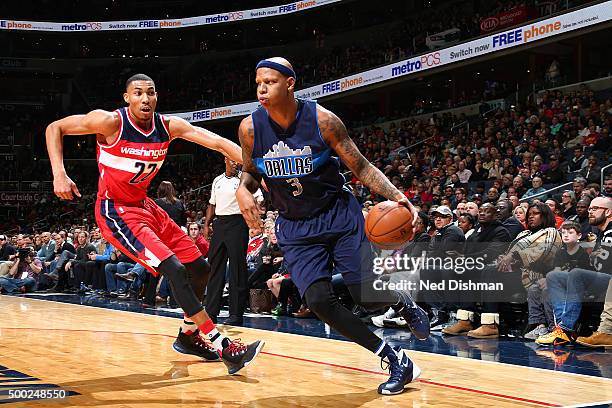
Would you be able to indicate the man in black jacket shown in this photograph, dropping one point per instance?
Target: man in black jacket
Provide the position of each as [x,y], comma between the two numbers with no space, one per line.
[485,244]
[504,215]
[554,174]
[448,239]
[447,243]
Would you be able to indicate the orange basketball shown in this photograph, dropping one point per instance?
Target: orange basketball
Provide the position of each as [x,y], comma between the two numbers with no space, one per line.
[389,225]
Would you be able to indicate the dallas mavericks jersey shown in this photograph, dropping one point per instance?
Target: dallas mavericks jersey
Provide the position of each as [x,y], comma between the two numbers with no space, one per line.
[297,165]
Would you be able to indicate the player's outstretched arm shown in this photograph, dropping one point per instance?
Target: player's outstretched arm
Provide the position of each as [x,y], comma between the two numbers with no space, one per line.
[336,136]
[180,128]
[101,123]
[250,178]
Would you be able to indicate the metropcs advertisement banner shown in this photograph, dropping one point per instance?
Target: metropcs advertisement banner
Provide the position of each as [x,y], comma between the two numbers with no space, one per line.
[167,23]
[496,42]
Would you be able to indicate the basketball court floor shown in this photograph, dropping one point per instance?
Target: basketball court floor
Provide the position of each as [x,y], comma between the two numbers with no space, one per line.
[101,356]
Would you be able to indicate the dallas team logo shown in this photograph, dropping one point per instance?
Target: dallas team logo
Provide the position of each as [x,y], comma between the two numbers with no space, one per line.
[283,161]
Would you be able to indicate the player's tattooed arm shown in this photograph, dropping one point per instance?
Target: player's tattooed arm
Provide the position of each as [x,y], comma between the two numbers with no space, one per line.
[336,136]
[250,176]
[250,179]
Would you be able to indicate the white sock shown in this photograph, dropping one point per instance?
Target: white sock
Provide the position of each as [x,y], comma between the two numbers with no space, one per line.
[188,327]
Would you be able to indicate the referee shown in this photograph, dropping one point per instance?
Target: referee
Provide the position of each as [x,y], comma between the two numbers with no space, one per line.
[230,238]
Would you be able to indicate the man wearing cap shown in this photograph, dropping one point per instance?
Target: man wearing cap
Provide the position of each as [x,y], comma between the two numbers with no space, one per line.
[448,241]
[554,174]
[448,237]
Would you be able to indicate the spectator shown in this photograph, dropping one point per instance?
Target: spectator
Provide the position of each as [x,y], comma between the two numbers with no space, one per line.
[509,221]
[64,251]
[166,199]
[492,196]
[578,162]
[554,174]
[571,255]
[488,242]
[582,218]
[81,269]
[466,224]
[556,209]
[519,185]
[47,251]
[134,278]
[7,255]
[536,191]
[463,173]
[496,171]
[193,229]
[529,256]
[591,172]
[578,186]
[608,186]
[23,275]
[448,241]
[115,263]
[568,201]
[568,290]
[603,336]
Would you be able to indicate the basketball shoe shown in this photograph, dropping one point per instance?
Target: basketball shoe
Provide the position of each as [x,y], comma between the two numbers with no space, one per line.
[401,369]
[195,345]
[417,319]
[557,337]
[236,355]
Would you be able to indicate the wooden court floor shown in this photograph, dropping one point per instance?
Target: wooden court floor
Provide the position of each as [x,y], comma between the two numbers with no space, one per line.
[122,359]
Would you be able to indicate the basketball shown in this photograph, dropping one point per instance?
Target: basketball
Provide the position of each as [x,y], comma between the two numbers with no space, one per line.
[389,225]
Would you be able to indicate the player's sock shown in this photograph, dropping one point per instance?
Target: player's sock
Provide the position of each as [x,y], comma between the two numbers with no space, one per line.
[188,326]
[212,334]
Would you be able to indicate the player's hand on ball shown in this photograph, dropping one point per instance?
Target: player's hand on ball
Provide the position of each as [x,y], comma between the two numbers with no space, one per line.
[406,203]
[63,187]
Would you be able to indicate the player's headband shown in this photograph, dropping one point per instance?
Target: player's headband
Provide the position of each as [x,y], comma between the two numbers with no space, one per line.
[276,66]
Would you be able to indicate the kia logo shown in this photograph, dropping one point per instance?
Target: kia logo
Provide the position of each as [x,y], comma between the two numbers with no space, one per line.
[489,24]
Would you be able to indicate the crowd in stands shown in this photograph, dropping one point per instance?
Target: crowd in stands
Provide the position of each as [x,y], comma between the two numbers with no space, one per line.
[201,84]
[522,186]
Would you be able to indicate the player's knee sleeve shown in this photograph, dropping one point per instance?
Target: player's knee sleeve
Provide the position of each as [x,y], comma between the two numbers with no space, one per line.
[176,274]
[198,272]
[321,300]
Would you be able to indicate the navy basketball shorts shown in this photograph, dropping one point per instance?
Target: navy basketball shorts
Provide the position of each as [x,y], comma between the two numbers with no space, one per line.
[334,240]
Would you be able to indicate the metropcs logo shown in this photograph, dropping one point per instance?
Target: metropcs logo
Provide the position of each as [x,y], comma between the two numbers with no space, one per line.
[82,27]
[526,34]
[427,60]
[287,8]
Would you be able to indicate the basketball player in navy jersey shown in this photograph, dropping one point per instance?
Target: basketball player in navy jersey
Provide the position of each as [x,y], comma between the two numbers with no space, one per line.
[291,143]
[132,143]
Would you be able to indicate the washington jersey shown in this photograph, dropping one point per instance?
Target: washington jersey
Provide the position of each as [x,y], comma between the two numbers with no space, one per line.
[297,165]
[129,164]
